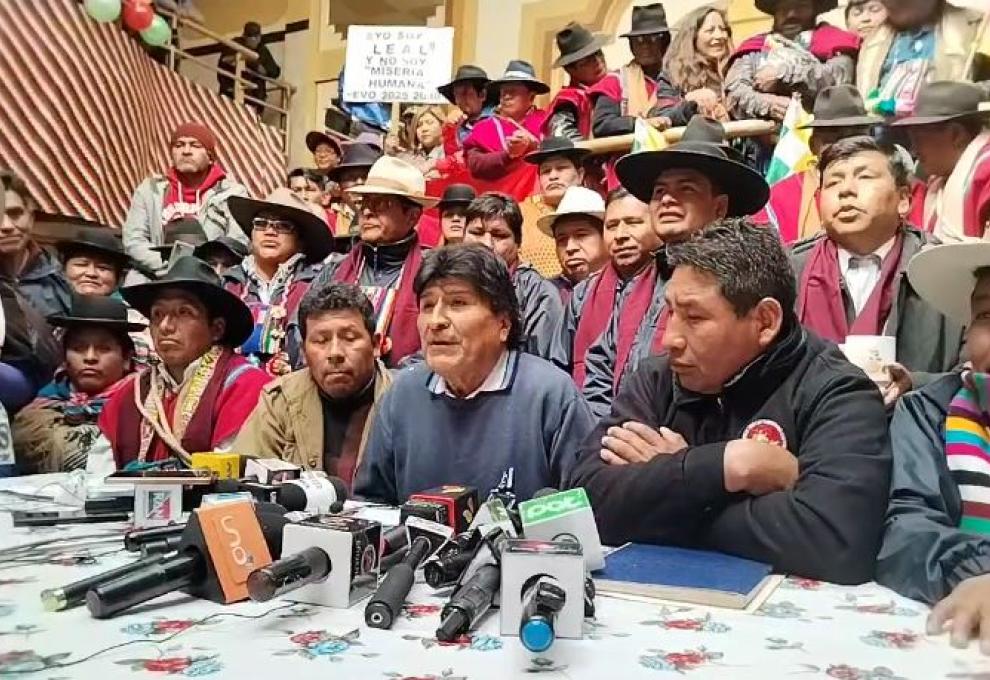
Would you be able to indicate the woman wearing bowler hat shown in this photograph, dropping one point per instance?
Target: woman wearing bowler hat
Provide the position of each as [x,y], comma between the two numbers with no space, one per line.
[58,431]
[494,150]
[94,261]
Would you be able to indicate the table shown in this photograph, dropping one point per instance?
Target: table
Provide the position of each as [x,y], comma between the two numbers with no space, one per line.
[806,629]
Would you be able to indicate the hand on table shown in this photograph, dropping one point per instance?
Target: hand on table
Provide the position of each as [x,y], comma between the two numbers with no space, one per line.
[758,468]
[965,613]
[638,443]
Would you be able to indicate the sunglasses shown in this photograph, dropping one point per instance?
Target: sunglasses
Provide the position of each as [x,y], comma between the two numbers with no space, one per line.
[278,226]
[378,204]
[647,39]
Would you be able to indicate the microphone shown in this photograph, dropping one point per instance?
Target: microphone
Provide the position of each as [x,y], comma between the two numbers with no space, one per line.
[542,600]
[288,574]
[543,592]
[161,547]
[332,560]
[564,516]
[221,546]
[314,493]
[387,601]
[134,541]
[74,594]
[471,601]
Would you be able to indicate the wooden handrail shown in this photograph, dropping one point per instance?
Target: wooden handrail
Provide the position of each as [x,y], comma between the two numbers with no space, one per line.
[733,129]
[208,66]
[203,30]
[242,84]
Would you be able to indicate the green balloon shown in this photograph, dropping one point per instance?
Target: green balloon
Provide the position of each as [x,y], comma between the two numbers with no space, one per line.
[103,11]
[158,34]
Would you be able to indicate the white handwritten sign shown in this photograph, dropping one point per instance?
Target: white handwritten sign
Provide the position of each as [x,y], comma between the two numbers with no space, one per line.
[397,63]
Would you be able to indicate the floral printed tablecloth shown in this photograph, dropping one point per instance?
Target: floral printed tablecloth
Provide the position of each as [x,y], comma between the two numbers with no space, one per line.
[806,629]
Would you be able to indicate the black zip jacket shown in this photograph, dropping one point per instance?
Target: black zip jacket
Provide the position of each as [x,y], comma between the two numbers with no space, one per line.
[828,527]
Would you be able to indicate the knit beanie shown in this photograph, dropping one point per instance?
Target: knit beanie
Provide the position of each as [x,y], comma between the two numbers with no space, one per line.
[200,133]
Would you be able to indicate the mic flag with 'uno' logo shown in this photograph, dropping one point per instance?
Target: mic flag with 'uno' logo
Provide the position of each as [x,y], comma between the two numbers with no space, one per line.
[236,545]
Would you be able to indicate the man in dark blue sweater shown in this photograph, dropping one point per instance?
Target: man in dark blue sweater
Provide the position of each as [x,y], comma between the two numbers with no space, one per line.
[479,412]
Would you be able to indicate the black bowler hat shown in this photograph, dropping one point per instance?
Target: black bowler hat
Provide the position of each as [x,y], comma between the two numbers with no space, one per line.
[821,6]
[101,241]
[702,148]
[220,246]
[198,278]
[521,72]
[576,42]
[648,20]
[96,310]
[457,194]
[465,74]
[841,106]
[942,101]
[316,137]
[556,146]
[188,230]
[356,155]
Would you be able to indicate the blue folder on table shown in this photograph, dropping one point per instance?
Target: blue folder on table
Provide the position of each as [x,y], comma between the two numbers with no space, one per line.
[679,574]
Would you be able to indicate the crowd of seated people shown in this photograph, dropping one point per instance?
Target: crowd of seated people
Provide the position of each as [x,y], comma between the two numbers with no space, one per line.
[484,300]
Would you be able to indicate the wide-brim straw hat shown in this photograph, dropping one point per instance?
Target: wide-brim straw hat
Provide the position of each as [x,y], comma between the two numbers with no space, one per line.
[395,177]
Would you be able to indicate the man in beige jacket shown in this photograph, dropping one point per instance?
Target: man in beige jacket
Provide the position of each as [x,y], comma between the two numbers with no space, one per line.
[319,417]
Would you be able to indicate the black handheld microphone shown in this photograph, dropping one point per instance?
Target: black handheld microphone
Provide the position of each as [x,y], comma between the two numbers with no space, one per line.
[315,494]
[134,541]
[219,544]
[288,574]
[74,594]
[471,601]
[387,601]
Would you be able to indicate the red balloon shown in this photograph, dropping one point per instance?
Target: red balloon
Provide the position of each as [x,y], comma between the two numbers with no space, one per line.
[138,15]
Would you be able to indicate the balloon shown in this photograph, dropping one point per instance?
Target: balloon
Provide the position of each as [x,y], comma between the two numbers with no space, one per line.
[103,11]
[159,34]
[138,16]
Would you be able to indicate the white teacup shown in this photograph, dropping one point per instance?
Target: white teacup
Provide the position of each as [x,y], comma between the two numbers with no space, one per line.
[872,353]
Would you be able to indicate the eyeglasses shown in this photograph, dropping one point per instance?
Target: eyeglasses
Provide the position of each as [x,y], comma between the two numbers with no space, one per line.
[378,204]
[278,226]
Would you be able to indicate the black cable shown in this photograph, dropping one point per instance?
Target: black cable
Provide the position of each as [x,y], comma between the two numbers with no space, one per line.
[145,641]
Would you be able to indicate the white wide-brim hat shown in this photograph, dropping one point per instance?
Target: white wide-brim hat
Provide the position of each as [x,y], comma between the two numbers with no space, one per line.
[944,276]
[396,177]
[576,201]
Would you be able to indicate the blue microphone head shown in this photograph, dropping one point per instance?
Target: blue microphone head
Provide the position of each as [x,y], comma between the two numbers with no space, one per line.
[536,634]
